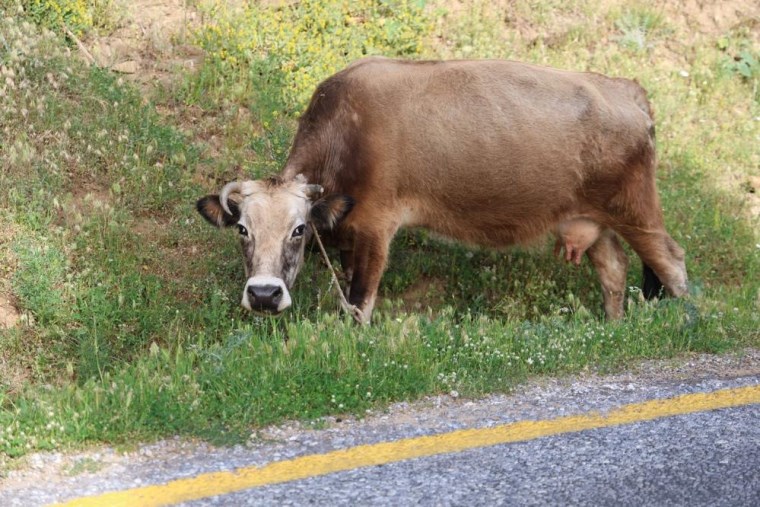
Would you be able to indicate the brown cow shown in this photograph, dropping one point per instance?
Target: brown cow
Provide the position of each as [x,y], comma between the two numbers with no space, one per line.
[490,153]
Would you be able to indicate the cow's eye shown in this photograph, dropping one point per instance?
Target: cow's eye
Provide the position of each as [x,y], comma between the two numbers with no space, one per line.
[242,230]
[298,231]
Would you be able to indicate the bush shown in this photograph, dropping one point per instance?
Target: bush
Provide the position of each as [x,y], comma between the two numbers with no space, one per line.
[277,56]
[79,16]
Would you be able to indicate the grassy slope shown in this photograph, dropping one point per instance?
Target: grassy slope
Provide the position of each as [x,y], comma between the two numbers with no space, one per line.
[131,322]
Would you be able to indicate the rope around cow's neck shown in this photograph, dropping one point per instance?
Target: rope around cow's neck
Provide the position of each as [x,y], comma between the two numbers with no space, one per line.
[352,310]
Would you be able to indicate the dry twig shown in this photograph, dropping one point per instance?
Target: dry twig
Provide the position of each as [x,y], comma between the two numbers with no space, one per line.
[80,45]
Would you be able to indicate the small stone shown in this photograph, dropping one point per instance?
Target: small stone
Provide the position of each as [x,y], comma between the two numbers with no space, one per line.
[9,316]
[37,462]
[128,67]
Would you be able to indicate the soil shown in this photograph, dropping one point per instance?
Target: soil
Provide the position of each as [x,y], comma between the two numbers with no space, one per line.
[424,293]
[150,42]
[12,374]
[706,17]
[9,315]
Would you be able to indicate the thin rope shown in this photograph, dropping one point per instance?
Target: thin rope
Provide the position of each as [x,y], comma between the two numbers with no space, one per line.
[352,310]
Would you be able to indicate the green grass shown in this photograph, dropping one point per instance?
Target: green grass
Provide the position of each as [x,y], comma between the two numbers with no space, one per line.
[131,326]
[82,466]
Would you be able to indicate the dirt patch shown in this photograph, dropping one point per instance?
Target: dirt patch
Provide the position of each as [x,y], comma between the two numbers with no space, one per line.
[712,18]
[87,192]
[551,25]
[12,374]
[150,41]
[424,293]
[87,198]
[170,256]
[171,251]
[9,314]
[747,188]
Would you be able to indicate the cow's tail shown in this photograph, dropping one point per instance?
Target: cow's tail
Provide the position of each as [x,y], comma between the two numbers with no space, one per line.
[652,286]
[642,100]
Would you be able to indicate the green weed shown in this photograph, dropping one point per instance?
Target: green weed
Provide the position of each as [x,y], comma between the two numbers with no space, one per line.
[79,16]
[638,27]
[741,58]
[83,466]
[272,59]
[40,282]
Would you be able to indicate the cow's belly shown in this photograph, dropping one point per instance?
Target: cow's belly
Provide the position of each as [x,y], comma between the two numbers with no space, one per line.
[496,226]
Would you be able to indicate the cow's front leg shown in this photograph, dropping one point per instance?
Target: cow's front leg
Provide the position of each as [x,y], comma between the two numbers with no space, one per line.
[347,265]
[370,255]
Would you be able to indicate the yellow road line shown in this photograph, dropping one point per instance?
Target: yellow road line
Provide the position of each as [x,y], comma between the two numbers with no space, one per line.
[219,483]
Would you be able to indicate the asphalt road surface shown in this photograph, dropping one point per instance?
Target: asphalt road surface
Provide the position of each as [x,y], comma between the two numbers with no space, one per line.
[706,459]
[580,441]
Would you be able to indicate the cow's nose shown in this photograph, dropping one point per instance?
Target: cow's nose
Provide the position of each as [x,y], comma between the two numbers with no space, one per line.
[265,298]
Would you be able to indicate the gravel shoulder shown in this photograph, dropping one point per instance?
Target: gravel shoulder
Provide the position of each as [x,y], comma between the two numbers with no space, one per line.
[47,477]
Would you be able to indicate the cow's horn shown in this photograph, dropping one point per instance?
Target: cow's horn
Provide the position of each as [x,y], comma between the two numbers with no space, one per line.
[229,188]
[313,190]
[244,188]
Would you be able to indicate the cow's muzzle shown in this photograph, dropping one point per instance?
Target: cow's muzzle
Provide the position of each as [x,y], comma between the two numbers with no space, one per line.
[264,297]
[266,294]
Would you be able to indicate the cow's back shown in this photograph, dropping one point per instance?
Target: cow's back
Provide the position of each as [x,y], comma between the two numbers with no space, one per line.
[486,151]
[457,113]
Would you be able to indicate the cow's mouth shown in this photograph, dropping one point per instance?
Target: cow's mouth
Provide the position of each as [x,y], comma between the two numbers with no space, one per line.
[267,313]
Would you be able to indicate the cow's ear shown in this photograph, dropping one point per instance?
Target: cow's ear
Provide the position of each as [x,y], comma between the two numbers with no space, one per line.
[211,209]
[327,212]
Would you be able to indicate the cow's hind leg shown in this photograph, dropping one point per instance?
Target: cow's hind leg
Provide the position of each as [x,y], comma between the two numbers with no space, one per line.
[663,260]
[637,216]
[611,263]
[652,286]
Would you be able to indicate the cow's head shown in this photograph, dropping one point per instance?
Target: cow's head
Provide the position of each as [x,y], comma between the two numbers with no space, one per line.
[274,219]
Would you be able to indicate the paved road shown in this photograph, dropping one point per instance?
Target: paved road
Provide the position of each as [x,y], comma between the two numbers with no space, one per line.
[708,457]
